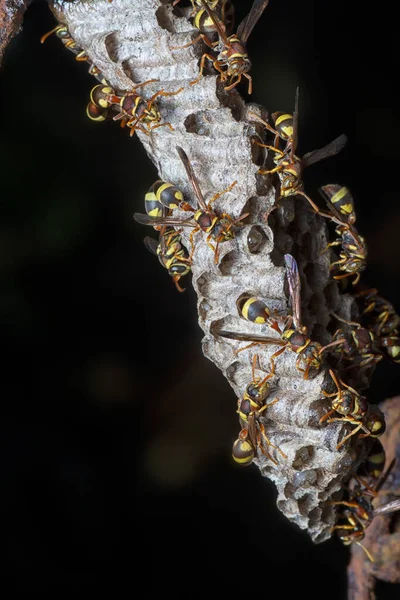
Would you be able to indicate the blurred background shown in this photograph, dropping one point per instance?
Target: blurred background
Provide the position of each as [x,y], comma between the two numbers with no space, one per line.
[116,432]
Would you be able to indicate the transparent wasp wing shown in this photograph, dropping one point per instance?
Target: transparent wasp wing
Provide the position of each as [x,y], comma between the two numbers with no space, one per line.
[388,508]
[331,149]
[385,475]
[295,137]
[293,278]
[151,244]
[144,219]
[247,25]
[252,431]
[337,216]
[192,178]
[248,337]
[219,25]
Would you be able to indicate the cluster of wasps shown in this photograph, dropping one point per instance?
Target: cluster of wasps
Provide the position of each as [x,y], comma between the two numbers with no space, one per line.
[212,18]
[354,345]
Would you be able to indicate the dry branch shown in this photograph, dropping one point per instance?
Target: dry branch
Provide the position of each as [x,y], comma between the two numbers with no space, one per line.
[11,15]
[382,537]
[131,42]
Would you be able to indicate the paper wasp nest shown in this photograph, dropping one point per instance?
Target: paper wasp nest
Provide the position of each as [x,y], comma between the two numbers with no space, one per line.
[130,42]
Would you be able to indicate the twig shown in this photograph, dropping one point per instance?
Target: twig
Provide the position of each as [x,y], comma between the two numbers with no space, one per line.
[11,15]
[382,538]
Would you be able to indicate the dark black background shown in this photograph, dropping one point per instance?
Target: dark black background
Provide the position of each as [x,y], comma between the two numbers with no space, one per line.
[116,432]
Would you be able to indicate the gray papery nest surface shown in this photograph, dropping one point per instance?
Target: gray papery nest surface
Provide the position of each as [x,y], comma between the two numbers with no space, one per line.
[130,42]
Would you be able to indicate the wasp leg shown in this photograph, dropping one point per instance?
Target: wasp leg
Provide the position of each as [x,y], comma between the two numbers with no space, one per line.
[162,125]
[202,63]
[162,93]
[193,42]
[264,435]
[228,189]
[178,287]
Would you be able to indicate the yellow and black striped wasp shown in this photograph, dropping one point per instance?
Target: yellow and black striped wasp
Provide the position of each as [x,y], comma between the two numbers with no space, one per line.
[288,166]
[294,338]
[204,24]
[159,201]
[382,320]
[354,345]
[171,253]
[355,410]
[68,41]
[353,254]
[359,511]
[220,228]
[232,62]
[132,109]
[250,408]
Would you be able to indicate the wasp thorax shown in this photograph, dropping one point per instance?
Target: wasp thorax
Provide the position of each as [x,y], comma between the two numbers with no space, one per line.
[257,392]
[129,103]
[297,339]
[205,220]
[246,407]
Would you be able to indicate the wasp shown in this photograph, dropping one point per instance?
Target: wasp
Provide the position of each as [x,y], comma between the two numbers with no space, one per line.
[382,320]
[220,228]
[232,62]
[374,464]
[294,338]
[353,253]
[371,422]
[204,23]
[357,345]
[171,254]
[255,310]
[64,35]
[133,110]
[354,409]
[164,195]
[95,113]
[250,408]
[380,313]
[288,166]
[359,511]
